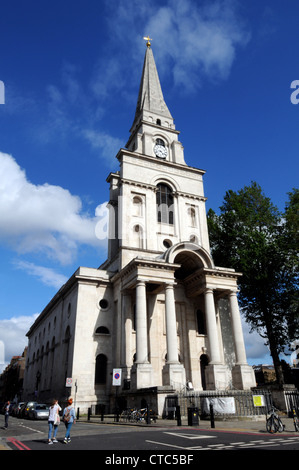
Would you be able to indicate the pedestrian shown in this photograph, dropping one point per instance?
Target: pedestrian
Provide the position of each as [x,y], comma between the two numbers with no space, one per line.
[69,418]
[6,414]
[53,421]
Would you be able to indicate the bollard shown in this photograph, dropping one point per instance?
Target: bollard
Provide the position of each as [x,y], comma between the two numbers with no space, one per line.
[212,416]
[88,414]
[178,416]
[148,416]
[78,413]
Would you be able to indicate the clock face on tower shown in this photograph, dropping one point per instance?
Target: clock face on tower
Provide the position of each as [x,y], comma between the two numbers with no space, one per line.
[160,149]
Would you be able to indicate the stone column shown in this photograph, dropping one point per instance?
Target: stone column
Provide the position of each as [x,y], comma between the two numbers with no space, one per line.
[126,327]
[171,330]
[141,372]
[141,324]
[237,329]
[173,372]
[212,329]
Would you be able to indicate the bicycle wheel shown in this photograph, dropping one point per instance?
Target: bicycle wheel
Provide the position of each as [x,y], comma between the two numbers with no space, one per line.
[278,424]
[271,426]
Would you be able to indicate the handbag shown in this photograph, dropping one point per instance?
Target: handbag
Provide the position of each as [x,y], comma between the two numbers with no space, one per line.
[57,420]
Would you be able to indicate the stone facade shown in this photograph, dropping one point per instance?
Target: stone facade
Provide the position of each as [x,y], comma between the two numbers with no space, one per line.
[158,308]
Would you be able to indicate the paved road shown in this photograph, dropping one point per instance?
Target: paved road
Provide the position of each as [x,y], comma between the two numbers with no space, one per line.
[117,441]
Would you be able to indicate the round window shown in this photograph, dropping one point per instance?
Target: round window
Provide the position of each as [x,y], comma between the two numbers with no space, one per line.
[167,243]
[103,303]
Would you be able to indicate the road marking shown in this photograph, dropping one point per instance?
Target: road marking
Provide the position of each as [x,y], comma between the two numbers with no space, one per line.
[30,429]
[168,445]
[18,444]
[249,444]
[190,436]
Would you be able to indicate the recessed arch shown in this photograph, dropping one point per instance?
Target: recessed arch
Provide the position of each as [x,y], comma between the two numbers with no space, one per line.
[194,255]
[168,180]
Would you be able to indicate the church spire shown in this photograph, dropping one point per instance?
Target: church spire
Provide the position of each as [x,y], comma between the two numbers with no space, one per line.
[151,106]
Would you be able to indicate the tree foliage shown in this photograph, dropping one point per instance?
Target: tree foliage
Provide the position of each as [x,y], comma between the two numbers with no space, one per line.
[253,237]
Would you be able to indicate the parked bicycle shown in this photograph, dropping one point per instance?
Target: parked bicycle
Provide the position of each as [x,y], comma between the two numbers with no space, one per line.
[134,415]
[273,422]
[295,420]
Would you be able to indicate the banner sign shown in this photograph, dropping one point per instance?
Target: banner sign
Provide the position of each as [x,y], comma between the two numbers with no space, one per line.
[222,405]
[116,377]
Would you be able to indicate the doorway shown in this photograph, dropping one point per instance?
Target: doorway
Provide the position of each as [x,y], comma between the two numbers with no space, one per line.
[203,364]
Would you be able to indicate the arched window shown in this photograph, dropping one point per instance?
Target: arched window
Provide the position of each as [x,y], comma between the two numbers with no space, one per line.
[66,341]
[138,236]
[192,216]
[164,199]
[204,361]
[201,324]
[137,206]
[101,369]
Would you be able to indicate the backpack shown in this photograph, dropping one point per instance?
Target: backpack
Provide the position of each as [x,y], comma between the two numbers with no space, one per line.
[67,415]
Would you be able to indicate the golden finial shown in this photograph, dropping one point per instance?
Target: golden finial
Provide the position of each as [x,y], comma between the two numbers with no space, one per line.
[148,39]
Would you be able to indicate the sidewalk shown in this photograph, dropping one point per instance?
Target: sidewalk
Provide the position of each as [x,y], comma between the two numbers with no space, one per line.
[249,425]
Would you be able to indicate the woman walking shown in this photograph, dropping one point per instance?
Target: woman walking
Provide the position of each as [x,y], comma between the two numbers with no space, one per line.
[53,421]
[69,418]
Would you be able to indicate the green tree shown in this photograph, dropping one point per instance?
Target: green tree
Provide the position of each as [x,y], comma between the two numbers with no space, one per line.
[253,237]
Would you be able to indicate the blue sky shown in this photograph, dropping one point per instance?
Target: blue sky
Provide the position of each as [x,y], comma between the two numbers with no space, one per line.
[71,72]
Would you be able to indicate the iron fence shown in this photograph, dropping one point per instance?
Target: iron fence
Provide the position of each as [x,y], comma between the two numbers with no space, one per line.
[292,400]
[228,403]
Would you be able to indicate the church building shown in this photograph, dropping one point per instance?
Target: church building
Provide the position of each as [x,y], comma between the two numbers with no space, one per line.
[158,310]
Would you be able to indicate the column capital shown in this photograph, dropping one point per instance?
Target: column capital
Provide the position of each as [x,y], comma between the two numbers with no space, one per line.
[169,285]
[232,293]
[209,290]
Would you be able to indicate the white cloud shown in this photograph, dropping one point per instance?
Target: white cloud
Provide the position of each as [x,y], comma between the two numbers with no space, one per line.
[108,145]
[200,41]
[192,41]
[41,217]
[13,335]
[46,275]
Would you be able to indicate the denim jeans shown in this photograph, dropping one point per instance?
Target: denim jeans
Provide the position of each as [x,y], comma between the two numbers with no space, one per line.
[51,426]
[68,429]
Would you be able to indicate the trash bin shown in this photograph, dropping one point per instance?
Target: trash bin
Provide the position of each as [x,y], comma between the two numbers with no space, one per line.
[193,414]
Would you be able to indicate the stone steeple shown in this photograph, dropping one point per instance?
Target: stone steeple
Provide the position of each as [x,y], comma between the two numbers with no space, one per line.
[150,97]
[153,123]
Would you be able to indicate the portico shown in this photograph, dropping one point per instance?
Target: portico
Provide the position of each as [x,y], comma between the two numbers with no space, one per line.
[170,287]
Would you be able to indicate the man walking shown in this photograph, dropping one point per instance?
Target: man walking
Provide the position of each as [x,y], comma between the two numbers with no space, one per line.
[6,414]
